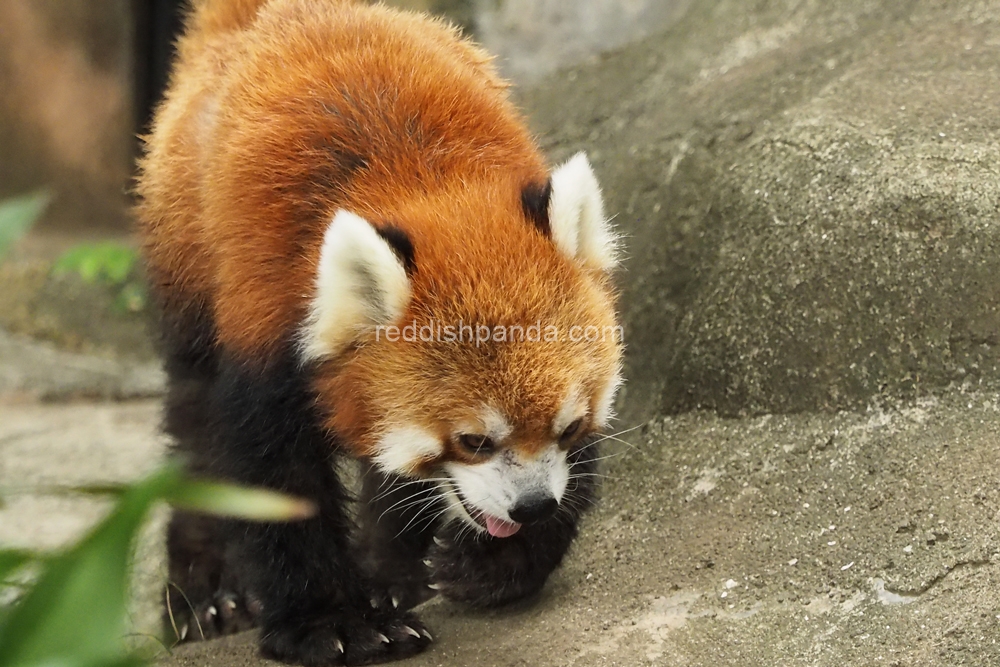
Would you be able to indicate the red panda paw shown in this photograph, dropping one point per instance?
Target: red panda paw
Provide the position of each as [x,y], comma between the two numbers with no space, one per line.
[485,571]
[225,613]
[349,638]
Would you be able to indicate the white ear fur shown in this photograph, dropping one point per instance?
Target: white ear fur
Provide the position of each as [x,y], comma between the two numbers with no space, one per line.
[576,216]
[360,283]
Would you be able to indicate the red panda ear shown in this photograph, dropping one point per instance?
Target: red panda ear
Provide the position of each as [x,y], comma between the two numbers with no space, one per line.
[576,216]
[361,283]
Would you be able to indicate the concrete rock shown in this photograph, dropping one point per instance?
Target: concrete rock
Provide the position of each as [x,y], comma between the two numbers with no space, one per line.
[827,540]
[810,192]
[44,448]
[30,369]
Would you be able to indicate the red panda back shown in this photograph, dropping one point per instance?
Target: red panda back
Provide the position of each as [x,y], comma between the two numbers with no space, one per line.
[311,107]
[219,16]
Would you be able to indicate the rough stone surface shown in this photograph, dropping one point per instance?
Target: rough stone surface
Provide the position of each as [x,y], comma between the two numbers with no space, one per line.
[67,311]
[810,194]
[62,337]
[29,369]
[826,540]
[45,448]
[533,38]
[854,538]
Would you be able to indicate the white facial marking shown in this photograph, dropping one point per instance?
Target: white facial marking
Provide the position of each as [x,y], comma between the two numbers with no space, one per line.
[495,425]
[496,486]
[402,449]
[576,216]
[360,284]
[604,405]
[573,407]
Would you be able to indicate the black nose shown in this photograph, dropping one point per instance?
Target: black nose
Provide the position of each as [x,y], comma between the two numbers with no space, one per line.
[533,508]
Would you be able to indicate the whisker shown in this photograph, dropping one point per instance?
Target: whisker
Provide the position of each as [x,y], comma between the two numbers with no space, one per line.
[602,475]
[608,456]
[414,518]
[435,516]
[441,512]
[416,495]
[397,487]
[607,436]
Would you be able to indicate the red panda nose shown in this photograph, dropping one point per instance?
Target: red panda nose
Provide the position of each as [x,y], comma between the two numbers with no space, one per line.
[533,508]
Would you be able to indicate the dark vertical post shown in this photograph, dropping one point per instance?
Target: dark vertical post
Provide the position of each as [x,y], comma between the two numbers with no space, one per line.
[157,26]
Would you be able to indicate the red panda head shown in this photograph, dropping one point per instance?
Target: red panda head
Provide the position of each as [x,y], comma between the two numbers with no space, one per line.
[470,337]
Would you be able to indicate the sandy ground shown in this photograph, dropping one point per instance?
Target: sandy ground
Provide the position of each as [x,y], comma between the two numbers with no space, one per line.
[857,538]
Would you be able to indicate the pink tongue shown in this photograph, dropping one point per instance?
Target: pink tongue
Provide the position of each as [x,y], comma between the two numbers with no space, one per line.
[500,528]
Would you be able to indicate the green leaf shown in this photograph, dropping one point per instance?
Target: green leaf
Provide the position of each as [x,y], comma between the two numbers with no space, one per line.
[211,498]
[12,560]
[107,262]
[17,215]
[76,614]
[239,502]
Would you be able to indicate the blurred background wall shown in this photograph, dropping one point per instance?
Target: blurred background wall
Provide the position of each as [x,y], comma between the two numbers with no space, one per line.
[78,79]
[66,113]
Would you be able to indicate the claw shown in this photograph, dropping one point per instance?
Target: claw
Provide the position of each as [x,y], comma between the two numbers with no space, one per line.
[230,605]
[212,611]
[428,562]
[383,638]
[435,587]
[374,603]
[411,631]
[395,602]
[339,645]
[426,634]
[184,631]
[441,543]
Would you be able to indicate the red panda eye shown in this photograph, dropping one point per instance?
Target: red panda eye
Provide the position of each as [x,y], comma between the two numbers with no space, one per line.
[571,431]
[477,445]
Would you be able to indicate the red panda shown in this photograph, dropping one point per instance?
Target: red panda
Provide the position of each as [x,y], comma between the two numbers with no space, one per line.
[357,247]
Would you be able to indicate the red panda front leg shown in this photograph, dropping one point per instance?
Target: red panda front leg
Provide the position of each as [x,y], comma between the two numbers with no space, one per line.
[485,571]
[397,519]
[206,597]
[318,608]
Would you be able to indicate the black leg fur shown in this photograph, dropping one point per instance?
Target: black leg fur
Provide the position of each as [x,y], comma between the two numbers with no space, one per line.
[318,608]
[485,571]
[205,596]
[397,522]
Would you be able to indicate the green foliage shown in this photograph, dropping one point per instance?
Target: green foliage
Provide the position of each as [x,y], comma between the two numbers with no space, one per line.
[75,613]
[237,502]
[17,215]
[12,560]
[108,263]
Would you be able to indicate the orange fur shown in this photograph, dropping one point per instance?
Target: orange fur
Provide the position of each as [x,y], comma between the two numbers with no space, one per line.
[281,112]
